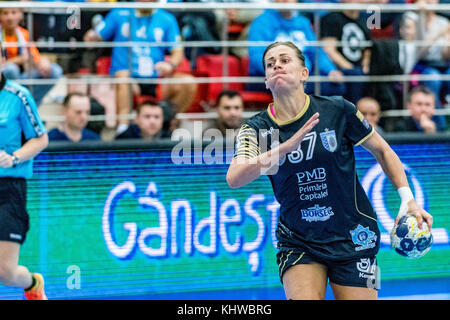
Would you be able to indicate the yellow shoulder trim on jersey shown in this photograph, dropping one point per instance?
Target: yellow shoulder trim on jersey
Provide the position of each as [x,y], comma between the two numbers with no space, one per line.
[360,115]
[298,116]
[366,137]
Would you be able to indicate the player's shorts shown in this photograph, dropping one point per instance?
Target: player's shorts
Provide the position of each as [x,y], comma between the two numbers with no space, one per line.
[14,219]
[359,272]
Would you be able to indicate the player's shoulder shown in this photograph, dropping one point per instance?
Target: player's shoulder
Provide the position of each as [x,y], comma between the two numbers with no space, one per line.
[327,102]
[259,120]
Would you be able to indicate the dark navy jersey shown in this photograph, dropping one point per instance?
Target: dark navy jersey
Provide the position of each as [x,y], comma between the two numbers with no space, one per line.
[323,207]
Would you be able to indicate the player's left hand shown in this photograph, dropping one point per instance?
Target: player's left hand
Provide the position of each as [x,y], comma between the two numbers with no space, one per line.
[5,160]
[421,215]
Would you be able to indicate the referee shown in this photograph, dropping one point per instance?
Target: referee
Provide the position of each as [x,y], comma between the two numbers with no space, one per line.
[327,230]
[22,137]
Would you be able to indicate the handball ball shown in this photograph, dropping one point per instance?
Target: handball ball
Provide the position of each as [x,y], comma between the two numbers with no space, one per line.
[410,241]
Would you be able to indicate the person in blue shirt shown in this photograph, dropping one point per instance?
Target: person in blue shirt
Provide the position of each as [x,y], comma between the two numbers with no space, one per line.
[76,110]
[22,137]
[274,25]
[144,25]
[148,123]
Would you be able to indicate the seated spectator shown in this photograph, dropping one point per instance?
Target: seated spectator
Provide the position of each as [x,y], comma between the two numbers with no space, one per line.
[407,48]
[351,58]
[229,108]
[22,62]
[434,57]
[421,103]
[148,123]
[144,25]
[370,108]
[288,25]
[197,26]
[238,17]
[76,110]
[384,25]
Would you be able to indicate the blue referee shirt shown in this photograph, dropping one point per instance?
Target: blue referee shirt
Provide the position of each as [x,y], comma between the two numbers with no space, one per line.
[18,118]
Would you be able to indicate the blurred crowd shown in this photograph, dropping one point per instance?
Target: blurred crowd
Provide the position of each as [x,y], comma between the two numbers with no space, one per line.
[153,106]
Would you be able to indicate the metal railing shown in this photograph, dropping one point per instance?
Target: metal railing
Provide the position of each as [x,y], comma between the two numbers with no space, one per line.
[74,9]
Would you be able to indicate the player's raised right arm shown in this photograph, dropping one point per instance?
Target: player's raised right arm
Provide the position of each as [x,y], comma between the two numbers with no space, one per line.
[248,164]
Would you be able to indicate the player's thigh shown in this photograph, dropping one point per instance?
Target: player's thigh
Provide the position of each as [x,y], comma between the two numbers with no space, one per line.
[305,281]
[353,293]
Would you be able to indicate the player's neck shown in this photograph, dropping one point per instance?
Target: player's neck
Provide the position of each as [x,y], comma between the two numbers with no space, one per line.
[288,107]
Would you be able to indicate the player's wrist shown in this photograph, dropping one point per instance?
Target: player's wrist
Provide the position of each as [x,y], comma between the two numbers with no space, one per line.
[405,194]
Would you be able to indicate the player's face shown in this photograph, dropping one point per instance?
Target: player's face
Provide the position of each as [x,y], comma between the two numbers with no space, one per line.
[230,111]
[77,112]
[421,104]
[10,18]
[370,111]
[150,120]
[284,70]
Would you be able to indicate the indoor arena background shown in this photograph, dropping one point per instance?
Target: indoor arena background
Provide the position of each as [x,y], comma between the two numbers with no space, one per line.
[113,220]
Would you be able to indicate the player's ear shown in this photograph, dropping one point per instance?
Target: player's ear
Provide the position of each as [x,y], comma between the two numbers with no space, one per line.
[304,74]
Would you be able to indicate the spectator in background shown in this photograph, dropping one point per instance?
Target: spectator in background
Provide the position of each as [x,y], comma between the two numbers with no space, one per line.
[145,25]
[238,17]
[370,108]
[407,48]
[351,58]
[76,109]
[288,25]
[148,123]
[434,57]
[197,26]
[229,108]
[421,103]
[22,62]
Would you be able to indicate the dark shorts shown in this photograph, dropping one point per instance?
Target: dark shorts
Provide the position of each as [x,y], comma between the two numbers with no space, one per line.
[148,89]
[362,271]
[14,219]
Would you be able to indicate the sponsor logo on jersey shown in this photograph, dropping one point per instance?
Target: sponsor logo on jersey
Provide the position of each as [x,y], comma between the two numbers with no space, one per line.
[363,238]
[329,140]
[317,213]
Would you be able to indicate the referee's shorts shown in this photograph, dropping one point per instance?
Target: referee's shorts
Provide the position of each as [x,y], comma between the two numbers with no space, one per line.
[14,219]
